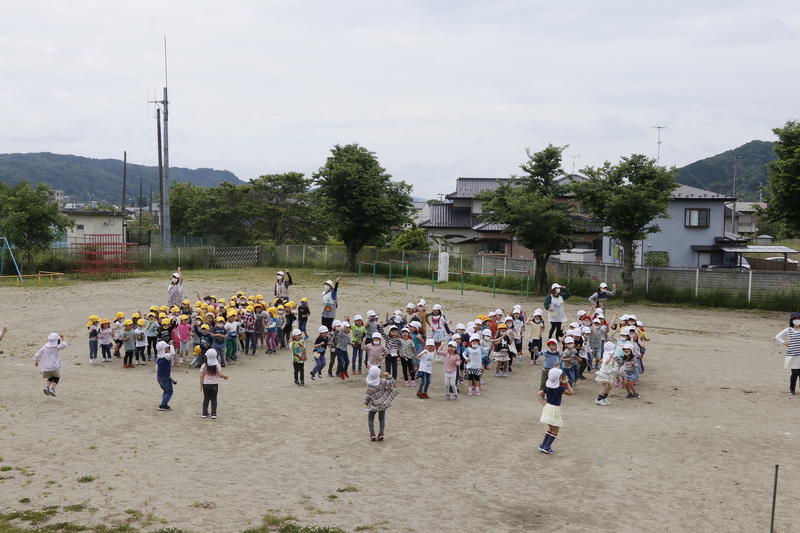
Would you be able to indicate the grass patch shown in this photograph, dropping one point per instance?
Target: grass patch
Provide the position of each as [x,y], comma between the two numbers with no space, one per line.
[348,488]
[332,497]
[30,515]
[274,523]
[76,507]
[6,468]
[86,479]
[24,500]
[373,527]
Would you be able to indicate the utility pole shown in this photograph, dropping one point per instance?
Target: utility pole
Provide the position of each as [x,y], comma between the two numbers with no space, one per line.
[141,201]
[164,166]
[574,157]
[124,181]
[160,176]
[659,127]
[734,221]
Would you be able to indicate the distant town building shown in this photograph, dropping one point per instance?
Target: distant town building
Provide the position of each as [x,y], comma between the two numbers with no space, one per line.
[747,217]
[57,197]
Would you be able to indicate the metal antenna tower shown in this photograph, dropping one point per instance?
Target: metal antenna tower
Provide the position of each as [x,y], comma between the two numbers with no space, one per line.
[659,127]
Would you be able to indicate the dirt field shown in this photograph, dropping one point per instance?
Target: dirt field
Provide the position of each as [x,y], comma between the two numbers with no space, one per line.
[695,453]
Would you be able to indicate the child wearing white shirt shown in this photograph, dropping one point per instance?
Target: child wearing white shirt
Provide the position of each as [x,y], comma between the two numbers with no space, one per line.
[425,368]
[49,359]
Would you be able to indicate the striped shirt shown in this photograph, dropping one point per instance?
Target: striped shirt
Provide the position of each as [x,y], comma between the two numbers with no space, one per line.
[791,338]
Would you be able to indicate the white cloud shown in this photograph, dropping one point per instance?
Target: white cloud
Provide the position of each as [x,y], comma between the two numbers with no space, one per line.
[438,89]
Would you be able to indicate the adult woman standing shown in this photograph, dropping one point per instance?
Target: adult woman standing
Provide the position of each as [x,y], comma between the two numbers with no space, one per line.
[282,282]
[175,289]
[554,303]
[791,338]
[329,295]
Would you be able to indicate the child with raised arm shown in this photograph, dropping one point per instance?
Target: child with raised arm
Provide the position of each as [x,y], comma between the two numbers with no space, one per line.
[49,359]
[550,398]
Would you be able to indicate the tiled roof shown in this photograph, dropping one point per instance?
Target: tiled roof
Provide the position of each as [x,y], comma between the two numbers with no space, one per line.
[444,215]
[471,187]
[686,192]
[748,207]
[490,226]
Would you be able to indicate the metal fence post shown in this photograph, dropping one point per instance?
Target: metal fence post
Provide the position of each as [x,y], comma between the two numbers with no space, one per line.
[433,281]
[179,256]
[462,282]
[749,285]
[494,283]
[304,255]
[505,259]
[325,261]
[461,263]
[482,265]
[403,256]
[605,276]
[696,283]
[374,265]
[647,280]
[150,256]
[390,272]
[429,260]
[406,276]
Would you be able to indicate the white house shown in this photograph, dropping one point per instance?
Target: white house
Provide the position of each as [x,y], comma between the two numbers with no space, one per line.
[88,222]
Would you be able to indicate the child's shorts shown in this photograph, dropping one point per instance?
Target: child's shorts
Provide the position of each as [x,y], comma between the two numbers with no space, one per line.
[47,374]
[486,360]
[474,374]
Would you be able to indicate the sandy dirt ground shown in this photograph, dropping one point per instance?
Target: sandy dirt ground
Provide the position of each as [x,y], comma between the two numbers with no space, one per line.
[695,453]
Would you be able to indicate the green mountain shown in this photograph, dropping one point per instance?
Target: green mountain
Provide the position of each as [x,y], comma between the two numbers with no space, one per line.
[83,178]
[716,173]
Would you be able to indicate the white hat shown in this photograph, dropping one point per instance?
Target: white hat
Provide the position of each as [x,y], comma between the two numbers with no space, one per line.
[555,286]
[345,324]
[486,333]
[506,319]
[517,306]
[371,313]
[296,332]
[460,326]
[176,275]
[211,357]
[430,342]
[281,273]
[639,323]
[322,329]
[404,329]
[477,322]
[581,312]
[624,317]
[409,305]
[397,319]
[597,321]
[453,344]
[627,346]
[586,329]
[357,317]
[398,312]
[329,283]
[553,378]
[573,325]
[373,375]
[474,337]
[604,285]
[437,307]
[421,302]
[498,312]
[377,335]
[569,340]
[336,323]
[52,340]
[415,324]
[491,313]
[538,312]
[390,329]
[632,317]
[552,341]
[609,347]
[162,349]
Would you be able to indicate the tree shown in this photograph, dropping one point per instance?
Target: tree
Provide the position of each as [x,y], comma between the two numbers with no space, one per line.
[29,220]
[284,209]
[783,196]
[533,207]
[628,197]
[360,197]
[412,238]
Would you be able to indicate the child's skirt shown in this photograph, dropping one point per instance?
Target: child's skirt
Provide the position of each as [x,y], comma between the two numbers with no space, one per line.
[439,335]
[551,415]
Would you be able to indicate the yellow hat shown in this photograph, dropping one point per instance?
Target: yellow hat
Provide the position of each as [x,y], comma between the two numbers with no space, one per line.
[174,309]
[186,302]
[127,322]
[89,323]
[272,311]
[290,303]
[163,308]
[259,296]
[221,300]
[136,315]
[250,308]
[220,319]
[280,307]
[198,350]
[205,326]
[213,297]
[502,325]
[105,321]
[141,322]
[166,322]
[94,318]
[183,317]
[304,299]
[119,315]
[151,314]
[203,305]
[154,308]
[162,314]
[240,293]
[232,312]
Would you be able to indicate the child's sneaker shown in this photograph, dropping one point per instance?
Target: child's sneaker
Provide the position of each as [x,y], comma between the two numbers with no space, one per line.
[406,383]
[446,396]
[53,392]
[413,382]
[313,377]
[455,397]
[533,362]
[635,396]
[46,391]
[372,437]
[477,391]
[213,417]
[469,392]
[599,402]
[203,416]
[380,436]
[605,401]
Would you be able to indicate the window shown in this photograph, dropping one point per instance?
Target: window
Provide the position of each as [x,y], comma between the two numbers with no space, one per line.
[493,248]
[79,226]
[697,218]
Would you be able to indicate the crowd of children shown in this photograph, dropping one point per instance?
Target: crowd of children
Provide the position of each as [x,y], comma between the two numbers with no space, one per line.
[215,331]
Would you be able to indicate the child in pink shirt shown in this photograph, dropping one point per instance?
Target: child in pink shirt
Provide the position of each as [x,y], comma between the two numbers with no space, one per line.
[183,332]
[451,363]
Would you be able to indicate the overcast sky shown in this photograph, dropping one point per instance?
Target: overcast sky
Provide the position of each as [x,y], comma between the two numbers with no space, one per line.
[437,88]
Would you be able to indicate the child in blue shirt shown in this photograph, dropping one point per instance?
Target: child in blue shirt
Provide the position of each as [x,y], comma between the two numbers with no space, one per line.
[218,333]
[552,359]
